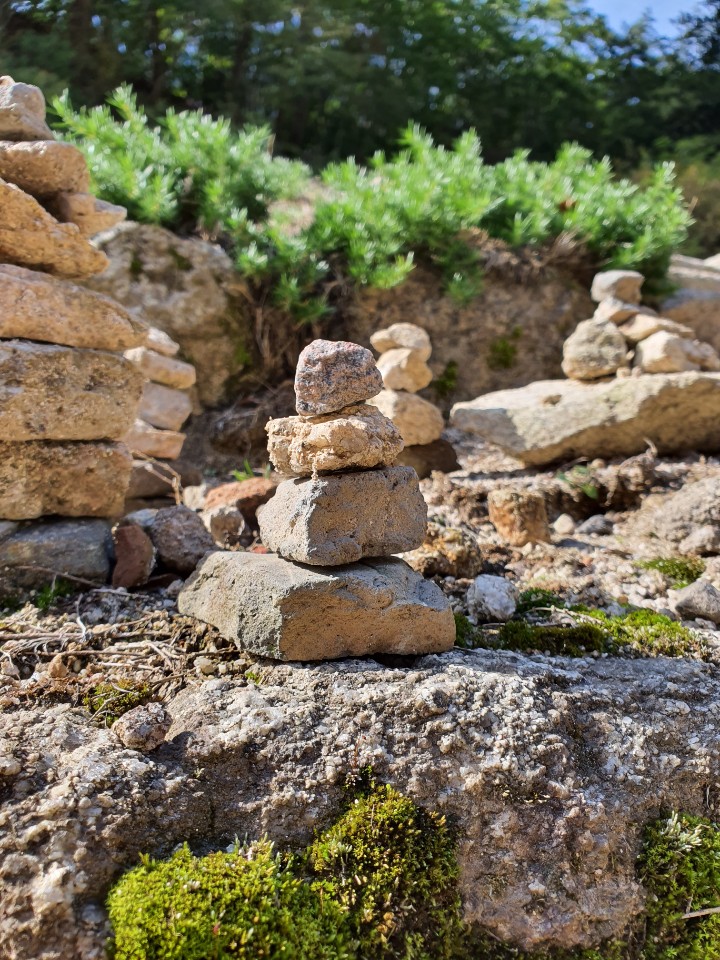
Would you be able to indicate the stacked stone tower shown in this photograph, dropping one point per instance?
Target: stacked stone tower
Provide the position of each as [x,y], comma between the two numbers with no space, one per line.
[331,588]
[67,395]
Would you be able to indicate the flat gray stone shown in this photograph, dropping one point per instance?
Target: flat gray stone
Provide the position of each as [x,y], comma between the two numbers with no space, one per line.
[595,349]
[22,112]
[36,552]
[332,374]
[284,610]
[699,599]
[341,518]
[620,284]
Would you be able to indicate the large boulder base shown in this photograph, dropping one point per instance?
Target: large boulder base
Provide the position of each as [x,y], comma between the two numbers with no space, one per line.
[561,419]
[284,610]
[35,306]
[60,393]
[548,768]
[341,518]
[66,479]
[30,237]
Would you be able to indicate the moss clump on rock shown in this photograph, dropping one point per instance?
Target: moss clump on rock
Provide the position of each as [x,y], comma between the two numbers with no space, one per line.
[680,571]
[650,633]
[575,641]
[108,701]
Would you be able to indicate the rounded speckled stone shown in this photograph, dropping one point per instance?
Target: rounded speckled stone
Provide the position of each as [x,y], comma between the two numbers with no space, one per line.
[332,374]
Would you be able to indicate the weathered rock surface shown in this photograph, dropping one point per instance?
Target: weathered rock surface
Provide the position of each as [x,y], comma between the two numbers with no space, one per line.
[405,336]
[22,112]
[180,538]
[446,552]
[246,495]
[619,284]
[418,421]
[696,505]
[134,556]
[492,599]
[158,479]
[67,479]
[699,599]
[663,353]
[356,437]
[532,758]
[162,369]
[187,288]
[50,392]
[89,214]
[164,444]
[341,518]
[438,455]
[34,306]
[332,374]
[164,407]
[519,516]
[557,419]
[30,237]
[35,552]
[143,728]
[377,606]
[595,349]
[227,526]
[617,311]
[160,342]
[643,326]
[44,168]
[404,370]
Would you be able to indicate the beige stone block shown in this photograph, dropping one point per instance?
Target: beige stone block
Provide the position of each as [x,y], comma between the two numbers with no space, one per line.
[404,369]
[44,168]
[30,237]
[519,516]
[160,342]
[357,437]
[64,479]
[49,392]
[419,421]
[405,336]
[162,369]
[35,306]
[164,407]
[620,284]
[163,444]
[641,327]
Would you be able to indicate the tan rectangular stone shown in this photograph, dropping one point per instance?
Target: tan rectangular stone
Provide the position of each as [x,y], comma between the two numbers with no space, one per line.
[49,392]
[64,479]
[43,168]
[164,407]
[164,444]
[89,214]
[161,369]
[36,306]
[161,342]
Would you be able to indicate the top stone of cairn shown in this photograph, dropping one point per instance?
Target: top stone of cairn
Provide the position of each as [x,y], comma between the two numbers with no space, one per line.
[333,374]
[22,112]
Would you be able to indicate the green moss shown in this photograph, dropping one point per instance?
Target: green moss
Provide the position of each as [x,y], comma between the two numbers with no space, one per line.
[680,571]
[562,641]
[136,267]
[680,866]
[650,633]
[466,635]
[47,595]
[446,383]
[537,599]
[247,904]
[181,262]
[108,701]
[503,351]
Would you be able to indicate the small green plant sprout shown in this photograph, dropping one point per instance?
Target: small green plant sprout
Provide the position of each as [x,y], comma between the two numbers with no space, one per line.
[503,351]
[580,478]
[536,598]
[108,701]
[247,472]
[679,571]
[466,635]
[47,595]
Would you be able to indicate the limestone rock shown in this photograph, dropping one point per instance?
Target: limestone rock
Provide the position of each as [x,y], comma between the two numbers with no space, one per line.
[76,548]
[445,552]
[227,526]
[492,599]
[30,237]
[164,407]
[148,440]
[89,214]
[699,599]
[44,168]
[356,437]
[180,538]
[692,273]
[595,349]
[596,526]
[35,306]
[332,374]
[403,369]
[162,369]
[189,289]
[160,342]
[663,353]
[22,112]
[680,514]
[144,727]
[697,309]
[245,495]
[519,516]
[158,479]
[643,326]
[617,311]
[620,284]
[341,518]
[403,335]
[278,609]
[134,556]
[67,479]
[555,419]
[702,354]
[701,542]
[418,421]
[430,457]
[49,392]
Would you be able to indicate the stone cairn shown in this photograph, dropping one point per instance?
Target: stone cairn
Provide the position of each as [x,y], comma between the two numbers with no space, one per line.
[67,395]
[404,350]
[624,338]
[330,588]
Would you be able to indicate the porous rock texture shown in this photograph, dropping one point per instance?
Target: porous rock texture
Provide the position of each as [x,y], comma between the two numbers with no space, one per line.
[35,306]
[22,112]
[418,421]
[332,374]
[619,284]
[404,369]
[89,214]
[50,392]
[65,479]
[548,768]
[44,168]
[31,555]
[556,419]
[357,437]
[595,349]
[343,517]
[377,606]
[30,237]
